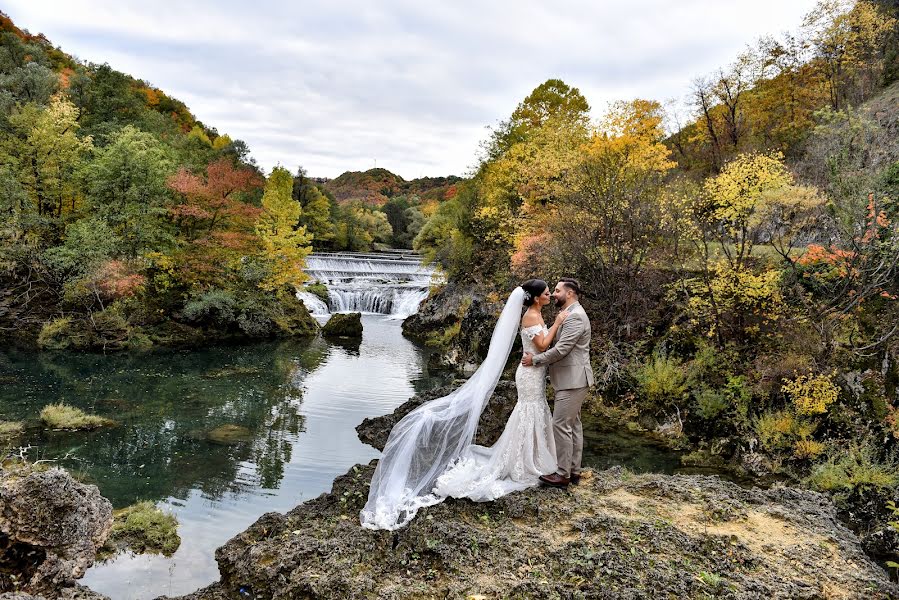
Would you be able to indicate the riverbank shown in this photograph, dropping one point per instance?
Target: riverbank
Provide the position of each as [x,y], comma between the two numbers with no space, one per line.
[617,534]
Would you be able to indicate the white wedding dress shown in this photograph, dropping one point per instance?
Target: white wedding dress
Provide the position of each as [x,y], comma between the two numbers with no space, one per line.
[430,453]
[525,450]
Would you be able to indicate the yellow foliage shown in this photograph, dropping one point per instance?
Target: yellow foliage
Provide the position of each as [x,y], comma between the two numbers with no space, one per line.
[284,245]
[804,449]
[811,394]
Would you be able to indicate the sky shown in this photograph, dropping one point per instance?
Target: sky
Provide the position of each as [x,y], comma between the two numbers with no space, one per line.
[406,85]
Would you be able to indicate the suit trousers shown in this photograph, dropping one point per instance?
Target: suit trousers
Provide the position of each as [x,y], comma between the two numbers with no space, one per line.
[568,431]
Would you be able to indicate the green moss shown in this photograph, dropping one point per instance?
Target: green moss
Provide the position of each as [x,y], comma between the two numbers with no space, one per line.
[142,528]
[318,289]
[344,325]
[62,416]
[9,429]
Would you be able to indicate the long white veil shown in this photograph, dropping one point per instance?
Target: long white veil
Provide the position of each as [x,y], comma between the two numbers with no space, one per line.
[427,440]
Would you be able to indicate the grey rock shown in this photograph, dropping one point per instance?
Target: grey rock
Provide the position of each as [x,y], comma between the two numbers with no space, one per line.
[51,527]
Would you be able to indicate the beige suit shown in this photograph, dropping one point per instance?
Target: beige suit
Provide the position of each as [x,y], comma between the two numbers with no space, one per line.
[571,376]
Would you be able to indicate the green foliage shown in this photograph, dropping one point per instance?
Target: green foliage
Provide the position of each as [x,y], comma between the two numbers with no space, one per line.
[661,381]
[63,416]
[858,467]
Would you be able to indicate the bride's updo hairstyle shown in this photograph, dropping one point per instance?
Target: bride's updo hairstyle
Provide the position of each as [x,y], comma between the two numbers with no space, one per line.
[533,288]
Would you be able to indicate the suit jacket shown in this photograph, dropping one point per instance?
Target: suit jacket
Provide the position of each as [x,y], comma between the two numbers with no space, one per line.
[569,358]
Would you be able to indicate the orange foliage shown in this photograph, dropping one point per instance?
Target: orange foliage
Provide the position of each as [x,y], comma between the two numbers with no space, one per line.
[116,279]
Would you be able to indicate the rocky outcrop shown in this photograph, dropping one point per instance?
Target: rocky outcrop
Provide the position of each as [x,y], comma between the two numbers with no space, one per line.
[374,431]
[50,529]
[342,325]
[616,535]
[458,321]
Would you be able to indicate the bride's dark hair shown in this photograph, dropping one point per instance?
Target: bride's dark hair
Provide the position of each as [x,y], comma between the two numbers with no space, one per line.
[533,288]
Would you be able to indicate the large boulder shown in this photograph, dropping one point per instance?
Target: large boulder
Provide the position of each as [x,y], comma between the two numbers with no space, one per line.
[51,527]
[344,325]
[458,322]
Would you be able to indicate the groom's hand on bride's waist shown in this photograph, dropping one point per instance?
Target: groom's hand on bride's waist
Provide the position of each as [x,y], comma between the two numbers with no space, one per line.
[527,360]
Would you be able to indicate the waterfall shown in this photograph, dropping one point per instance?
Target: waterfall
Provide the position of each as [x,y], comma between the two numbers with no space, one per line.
[391,283]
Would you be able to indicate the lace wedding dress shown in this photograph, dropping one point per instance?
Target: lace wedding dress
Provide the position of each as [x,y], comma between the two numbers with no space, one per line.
[436,440]
[525,450]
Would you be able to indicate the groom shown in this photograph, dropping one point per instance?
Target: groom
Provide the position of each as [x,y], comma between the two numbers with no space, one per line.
[571,376]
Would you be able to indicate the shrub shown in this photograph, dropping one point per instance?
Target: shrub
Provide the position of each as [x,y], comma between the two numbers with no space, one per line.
[859,468]
[214,306]
[63,416]
[63,333]
[319,289]
[661,380]
[780,430]
[811,394]
[806,449]
[9,429]
[710,403]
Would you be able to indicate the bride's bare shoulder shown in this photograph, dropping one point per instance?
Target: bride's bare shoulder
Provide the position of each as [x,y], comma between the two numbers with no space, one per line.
[530,319]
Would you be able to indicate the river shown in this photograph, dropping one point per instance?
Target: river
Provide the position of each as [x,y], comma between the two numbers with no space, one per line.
[295,405]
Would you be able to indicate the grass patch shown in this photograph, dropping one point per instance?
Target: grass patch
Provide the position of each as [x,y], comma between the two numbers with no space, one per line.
[10,429]
[63,416]
[142,528]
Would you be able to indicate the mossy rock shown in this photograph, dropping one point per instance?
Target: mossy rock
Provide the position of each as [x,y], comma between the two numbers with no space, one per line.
[293,318]
[144,529]
[229,434]
[318,289]
[63,416]
[347,325]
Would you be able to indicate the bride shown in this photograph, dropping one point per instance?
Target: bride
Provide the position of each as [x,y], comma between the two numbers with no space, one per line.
[430,456]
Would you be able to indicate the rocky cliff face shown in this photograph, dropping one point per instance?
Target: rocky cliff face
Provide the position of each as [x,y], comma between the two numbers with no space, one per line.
[616,535]
[50,529]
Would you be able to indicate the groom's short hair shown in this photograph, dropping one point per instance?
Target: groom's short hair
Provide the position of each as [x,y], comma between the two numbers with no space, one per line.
[572,284]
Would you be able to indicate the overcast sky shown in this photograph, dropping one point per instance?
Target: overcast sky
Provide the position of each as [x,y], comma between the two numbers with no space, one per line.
[411,84]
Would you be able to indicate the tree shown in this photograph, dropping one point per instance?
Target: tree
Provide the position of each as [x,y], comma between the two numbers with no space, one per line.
[126,185]
[316,209]
[215,226]
[45,152]
[284,245]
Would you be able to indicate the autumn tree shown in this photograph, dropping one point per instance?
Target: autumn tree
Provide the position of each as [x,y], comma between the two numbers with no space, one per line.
[214,223]
[45,151]
[284,244]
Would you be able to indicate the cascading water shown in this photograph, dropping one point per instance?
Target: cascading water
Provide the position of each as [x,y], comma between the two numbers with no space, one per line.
[392,283]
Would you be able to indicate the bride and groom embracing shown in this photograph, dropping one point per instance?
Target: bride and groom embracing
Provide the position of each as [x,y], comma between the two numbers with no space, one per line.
[430,454]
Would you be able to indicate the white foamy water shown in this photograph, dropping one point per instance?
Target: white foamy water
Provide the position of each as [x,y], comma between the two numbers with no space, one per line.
[389,283]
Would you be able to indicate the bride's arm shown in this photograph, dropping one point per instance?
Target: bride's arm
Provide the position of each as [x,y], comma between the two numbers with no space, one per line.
[543,340]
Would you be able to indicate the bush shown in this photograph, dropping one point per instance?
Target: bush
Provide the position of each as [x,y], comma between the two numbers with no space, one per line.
[662,381]
[811,394]
[63,416]
[63,333]
[319,289]
[710,403]
[859,468]
[10,429]
[214,306]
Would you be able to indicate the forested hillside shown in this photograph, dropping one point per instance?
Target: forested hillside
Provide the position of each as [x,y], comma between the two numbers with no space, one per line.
[739,257]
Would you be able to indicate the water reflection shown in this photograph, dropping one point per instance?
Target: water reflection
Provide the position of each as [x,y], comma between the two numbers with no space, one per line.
[218,436]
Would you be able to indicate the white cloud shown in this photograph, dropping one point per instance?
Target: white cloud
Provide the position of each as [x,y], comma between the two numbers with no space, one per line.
[335,86]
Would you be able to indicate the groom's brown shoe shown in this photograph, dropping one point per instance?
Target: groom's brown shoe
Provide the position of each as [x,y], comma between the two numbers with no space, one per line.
[555,480]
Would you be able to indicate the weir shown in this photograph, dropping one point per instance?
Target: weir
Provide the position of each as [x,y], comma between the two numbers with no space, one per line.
[392,282]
